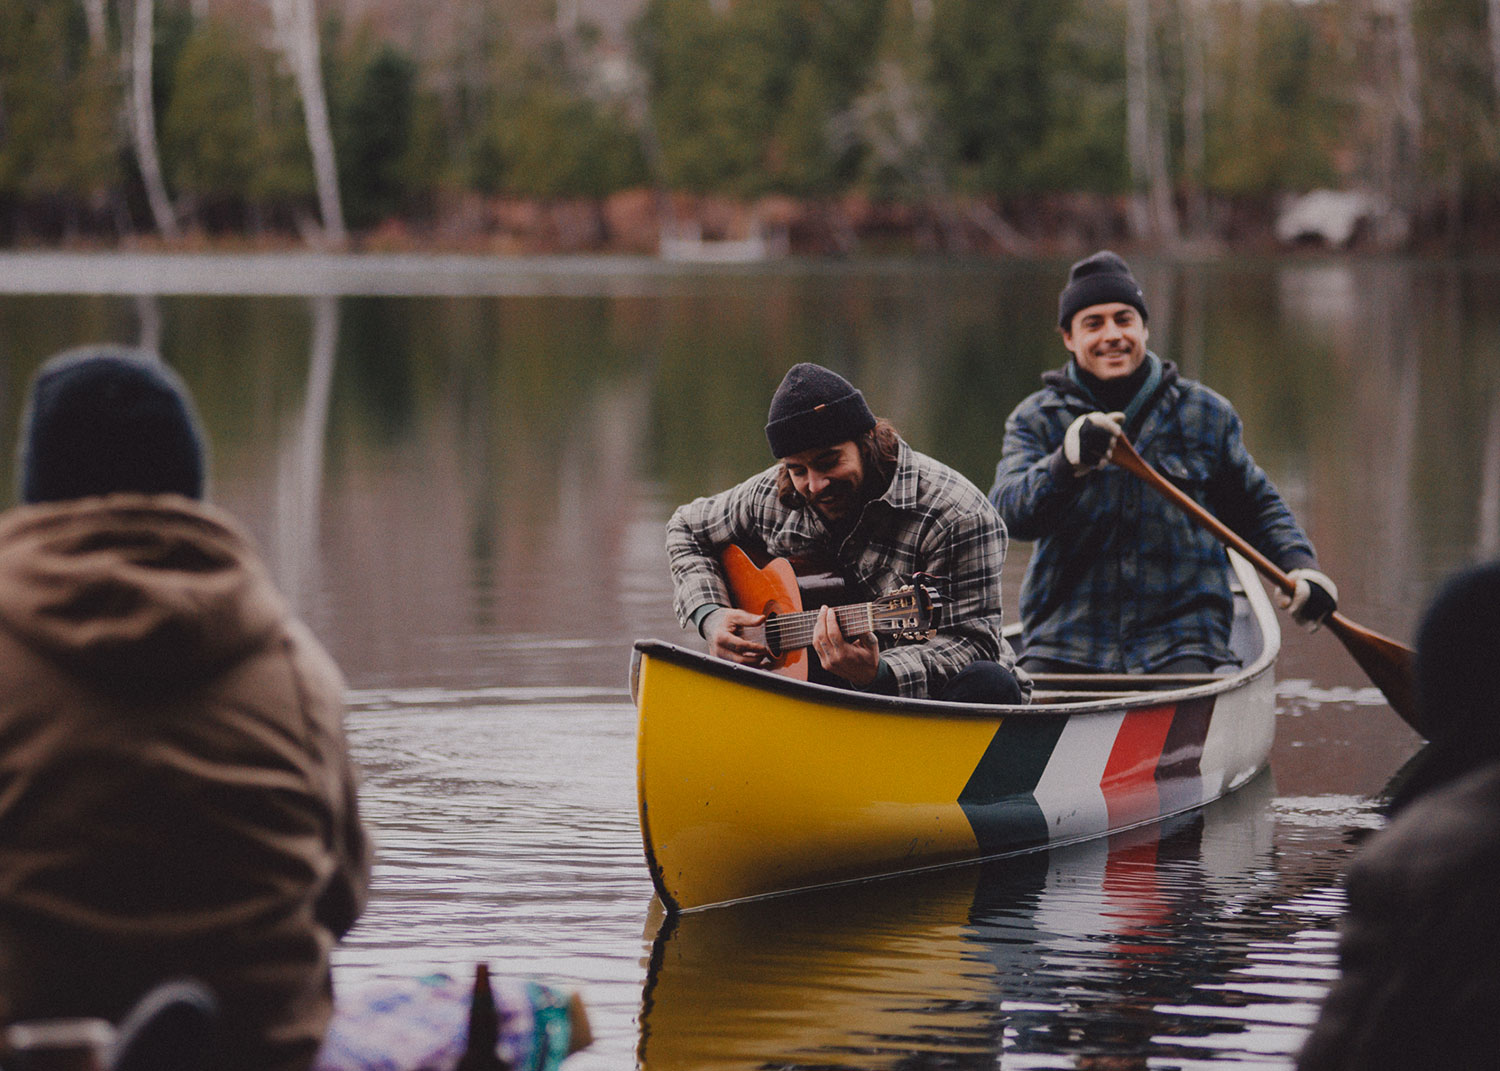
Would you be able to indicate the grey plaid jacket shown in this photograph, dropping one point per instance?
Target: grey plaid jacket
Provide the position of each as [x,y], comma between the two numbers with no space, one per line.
[930,519]
[1120,580]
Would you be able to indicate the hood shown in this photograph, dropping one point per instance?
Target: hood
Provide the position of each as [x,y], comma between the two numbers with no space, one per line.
[134,592]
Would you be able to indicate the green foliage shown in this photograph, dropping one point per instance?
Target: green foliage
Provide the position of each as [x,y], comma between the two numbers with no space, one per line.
[550,142]
[1458,102]
[1083,148]
[373,135]
[57,103]
[208,132]
[992,64]
[742,99]
[1280,119]
[95,137]
[813,98]
[283,175]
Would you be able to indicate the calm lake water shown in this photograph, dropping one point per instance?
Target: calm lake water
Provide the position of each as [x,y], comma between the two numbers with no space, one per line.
[459,471]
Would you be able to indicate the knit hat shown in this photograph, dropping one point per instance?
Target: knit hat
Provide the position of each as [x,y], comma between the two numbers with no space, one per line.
[102,419]
[1456,681]
[1457,677]
[1098,280]
[814,408]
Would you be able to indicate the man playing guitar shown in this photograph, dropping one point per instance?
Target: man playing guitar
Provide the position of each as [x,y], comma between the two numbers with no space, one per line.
[849,493]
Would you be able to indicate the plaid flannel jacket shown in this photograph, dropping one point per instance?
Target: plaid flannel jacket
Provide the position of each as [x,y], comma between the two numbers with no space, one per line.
[1121,580]
[931,519]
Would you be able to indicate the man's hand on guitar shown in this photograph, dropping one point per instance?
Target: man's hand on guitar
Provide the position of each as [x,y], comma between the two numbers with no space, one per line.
[856,659]
[724,631]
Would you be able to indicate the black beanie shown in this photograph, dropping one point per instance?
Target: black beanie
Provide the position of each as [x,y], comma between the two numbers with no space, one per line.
[1098,280]
[814,408]
[1457,678]
[1457,674]
[102,419]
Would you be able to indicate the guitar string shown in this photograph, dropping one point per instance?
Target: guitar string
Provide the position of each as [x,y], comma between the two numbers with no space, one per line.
[796,629]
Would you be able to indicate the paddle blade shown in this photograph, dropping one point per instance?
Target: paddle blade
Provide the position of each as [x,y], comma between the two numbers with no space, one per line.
[1388,664]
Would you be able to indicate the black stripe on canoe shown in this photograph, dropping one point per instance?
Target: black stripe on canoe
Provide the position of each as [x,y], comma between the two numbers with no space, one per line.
[1179,773]
[999,799]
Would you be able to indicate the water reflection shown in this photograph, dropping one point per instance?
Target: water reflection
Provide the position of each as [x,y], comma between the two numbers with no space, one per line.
[1151,946]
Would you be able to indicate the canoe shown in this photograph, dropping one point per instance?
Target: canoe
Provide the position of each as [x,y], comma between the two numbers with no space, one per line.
[751,784]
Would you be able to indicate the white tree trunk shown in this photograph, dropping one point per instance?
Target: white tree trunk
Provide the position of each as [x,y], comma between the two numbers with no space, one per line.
[1163,203]
[143,121]
[1153,212]
[1194,112]
[1494,8]
[299,482]
[93,14]
[1488,543]
[297,27]
[1408,103]
[1138,113]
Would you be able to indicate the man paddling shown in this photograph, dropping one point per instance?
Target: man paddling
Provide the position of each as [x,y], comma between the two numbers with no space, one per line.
[1120,580]
[848,493]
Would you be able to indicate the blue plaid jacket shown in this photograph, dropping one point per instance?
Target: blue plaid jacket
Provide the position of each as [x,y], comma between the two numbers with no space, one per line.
[1120,579]
[930,519]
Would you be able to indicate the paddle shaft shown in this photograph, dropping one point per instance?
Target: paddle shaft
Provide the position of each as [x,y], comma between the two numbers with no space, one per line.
[1387,663]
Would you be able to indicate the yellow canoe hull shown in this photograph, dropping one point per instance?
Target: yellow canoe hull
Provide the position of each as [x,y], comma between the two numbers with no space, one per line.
[751,784]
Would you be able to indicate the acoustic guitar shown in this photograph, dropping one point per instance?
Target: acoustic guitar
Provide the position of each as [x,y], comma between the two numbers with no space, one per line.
[773,590]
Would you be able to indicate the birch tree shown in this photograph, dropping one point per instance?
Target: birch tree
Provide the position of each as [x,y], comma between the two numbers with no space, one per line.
[93,13]
[297,30]
[1152,212]
[1494,33]
[1399,114]
[1194,114]
[143,120]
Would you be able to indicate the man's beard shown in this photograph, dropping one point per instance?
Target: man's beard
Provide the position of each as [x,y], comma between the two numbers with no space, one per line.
[849,497]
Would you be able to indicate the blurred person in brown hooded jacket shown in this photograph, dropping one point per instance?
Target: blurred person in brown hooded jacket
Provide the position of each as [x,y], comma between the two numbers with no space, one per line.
[1419,944]
[176,794]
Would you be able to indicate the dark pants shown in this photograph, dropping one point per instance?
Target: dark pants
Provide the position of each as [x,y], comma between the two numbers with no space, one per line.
[978,682]
[983,682]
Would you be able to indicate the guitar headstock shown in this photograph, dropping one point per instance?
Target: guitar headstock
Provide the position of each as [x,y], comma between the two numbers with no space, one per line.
[908,613]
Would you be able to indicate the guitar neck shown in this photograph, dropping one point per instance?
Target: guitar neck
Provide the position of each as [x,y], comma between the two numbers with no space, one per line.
[787,632]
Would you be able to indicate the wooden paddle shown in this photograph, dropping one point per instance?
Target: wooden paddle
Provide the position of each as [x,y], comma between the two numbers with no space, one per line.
[1387,663]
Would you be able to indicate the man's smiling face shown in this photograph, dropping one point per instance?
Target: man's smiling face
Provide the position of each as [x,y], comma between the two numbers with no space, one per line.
[1108,341]
[830,478]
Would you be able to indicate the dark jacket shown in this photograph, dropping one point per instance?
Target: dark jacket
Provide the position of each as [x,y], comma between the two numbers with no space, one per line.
[1419,946]
[1120,579]
[176,796]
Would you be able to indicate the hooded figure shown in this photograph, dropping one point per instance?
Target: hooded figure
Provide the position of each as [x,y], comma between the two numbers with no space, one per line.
[1420,940]
[176,794]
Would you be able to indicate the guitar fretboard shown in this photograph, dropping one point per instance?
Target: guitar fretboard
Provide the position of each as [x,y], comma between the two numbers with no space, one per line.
[787,632]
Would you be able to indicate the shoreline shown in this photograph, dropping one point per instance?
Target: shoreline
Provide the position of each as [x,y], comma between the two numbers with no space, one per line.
[317,273]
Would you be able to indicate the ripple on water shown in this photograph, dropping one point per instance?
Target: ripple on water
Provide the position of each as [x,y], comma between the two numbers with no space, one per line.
[507,832]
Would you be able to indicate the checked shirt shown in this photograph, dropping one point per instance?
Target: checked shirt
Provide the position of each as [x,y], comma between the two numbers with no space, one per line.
[930,519]
[1120,580]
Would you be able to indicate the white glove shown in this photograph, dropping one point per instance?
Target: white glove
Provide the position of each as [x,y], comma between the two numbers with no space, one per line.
[1090,441]
[1312,599]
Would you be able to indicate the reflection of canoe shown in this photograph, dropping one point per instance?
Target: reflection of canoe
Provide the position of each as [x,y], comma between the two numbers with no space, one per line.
[751,784]
[949,968]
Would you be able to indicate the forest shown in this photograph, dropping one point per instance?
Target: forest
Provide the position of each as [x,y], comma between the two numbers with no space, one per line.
[834,126]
